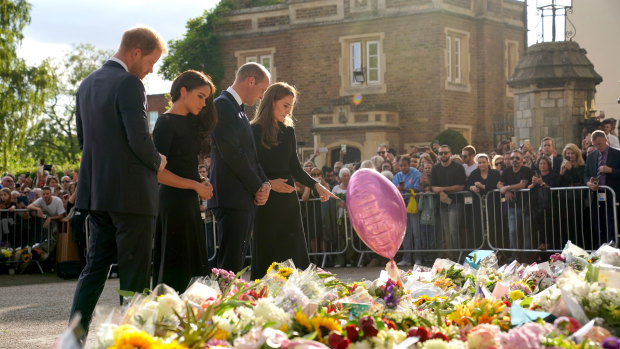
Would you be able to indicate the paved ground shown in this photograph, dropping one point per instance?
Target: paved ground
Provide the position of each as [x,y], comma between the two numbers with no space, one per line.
[34,308]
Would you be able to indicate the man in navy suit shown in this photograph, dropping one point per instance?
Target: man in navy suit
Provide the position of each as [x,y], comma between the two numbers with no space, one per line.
[547,146]
[118,173]
[238,180]
[603,168]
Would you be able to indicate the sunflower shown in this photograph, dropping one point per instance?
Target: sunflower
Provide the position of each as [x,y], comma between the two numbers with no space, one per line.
[302,319]
[285,272]
[26,257]
[173,345]
[324,325]
[132,339]
[273,265]
[422,299]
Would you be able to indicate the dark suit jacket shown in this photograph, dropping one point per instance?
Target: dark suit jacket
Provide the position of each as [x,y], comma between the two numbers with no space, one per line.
[557,164]
[235,172]
[118,172]
[613,160]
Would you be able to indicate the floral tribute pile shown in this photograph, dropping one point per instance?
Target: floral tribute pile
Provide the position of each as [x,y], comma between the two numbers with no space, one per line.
[572,301]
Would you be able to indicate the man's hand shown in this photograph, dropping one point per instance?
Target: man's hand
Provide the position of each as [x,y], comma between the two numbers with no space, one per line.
[593,184]
[261,196]
[163,163]
[40,213]
[279,185]
[508,195]
[605,169]
[443,197]
[47,222]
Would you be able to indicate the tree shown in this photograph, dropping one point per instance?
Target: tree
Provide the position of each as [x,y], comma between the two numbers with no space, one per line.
[453,138]
[23,89]
[54,136]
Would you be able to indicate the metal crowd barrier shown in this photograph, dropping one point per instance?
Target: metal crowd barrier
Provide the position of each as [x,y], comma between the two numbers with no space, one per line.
[545,219]
[447,229]
[23,232]
[533,222]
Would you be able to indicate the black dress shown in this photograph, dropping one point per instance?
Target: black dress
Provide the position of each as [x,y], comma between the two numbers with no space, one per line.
[278,231]
[180,243]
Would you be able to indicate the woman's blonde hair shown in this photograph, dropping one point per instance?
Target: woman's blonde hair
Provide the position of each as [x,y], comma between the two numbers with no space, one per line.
[578,158]
[264,115]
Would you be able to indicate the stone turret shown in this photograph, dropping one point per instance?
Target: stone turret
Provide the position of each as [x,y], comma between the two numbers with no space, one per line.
[552,84]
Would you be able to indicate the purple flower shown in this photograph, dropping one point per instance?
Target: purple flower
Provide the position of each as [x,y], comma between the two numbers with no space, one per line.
[611,343]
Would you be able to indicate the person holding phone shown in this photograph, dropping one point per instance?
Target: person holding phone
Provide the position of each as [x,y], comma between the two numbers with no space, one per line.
[603,169]
[407,180]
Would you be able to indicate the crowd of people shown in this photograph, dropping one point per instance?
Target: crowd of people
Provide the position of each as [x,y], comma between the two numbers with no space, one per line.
[533,219]
[47,195]
[205,155]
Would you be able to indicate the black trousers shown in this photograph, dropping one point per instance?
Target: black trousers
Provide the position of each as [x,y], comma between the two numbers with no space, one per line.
[121,238]
[234,229]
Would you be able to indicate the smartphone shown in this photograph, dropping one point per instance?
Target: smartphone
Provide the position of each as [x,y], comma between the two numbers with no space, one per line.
[47,167]
[323,150]
[594,180]
[343,148]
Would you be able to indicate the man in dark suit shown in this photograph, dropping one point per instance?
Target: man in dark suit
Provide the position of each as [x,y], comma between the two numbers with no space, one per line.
[603,168]
[118,173]
[238,179]
[547,146]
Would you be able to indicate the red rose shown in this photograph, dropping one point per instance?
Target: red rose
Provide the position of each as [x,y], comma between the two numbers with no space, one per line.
[368,326]
[389,323]
[440,335]
[419,332]
[337,341]
[352,333]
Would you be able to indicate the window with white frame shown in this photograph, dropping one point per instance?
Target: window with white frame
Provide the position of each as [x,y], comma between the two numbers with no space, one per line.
[264,60]
[263,56]
[511,56]
[457,57]
[362,64]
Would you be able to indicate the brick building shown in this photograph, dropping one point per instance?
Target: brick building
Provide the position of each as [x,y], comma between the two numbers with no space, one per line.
[384,71]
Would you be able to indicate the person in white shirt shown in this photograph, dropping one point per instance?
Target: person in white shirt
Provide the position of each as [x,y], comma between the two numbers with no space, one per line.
[468,153]
[608,125]
[48,207]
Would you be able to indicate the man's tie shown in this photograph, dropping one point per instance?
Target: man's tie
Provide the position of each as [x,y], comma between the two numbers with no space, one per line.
[599,164]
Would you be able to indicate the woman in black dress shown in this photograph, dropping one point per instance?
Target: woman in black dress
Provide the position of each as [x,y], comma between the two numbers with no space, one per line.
[483,180]
[182,135]
[278,231]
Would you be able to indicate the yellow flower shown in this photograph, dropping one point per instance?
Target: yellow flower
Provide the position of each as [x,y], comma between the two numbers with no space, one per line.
[303,320]
[279,277]
[324,325]
[461,314]
[128,337]
[220,334]
[515,295]
[284,328]
[273,265]
[285,272]
[422,299]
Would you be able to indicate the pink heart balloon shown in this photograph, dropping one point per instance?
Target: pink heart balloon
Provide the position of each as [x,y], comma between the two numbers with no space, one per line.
[376,211]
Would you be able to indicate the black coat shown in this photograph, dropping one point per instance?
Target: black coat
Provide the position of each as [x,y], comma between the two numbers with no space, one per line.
[118,171]
[235,173]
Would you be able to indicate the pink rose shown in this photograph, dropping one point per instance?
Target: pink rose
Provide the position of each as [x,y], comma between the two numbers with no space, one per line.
[484,336]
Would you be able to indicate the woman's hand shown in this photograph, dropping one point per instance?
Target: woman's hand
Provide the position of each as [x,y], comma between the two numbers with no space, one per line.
[279,185]
[204,190]
[324,194]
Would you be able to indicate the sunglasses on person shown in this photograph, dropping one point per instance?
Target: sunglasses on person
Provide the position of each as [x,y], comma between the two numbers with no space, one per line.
[380,152]
[443,153]
[65,181]
[315,174]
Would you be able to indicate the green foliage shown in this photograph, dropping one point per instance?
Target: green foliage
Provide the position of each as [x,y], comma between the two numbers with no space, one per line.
[199,48]
[453,138]
[23,89]
[53,135]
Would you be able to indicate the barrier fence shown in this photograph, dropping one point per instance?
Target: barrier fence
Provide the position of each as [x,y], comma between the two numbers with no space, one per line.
[27,235]
[533,221]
